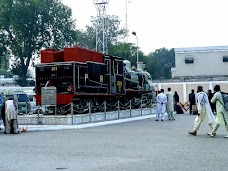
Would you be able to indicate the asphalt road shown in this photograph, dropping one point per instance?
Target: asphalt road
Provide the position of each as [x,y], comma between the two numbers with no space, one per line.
[144,145]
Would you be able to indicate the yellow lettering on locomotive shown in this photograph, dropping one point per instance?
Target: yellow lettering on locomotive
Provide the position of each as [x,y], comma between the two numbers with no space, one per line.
[119,83]
[53,68]
[86,76]
[101,78]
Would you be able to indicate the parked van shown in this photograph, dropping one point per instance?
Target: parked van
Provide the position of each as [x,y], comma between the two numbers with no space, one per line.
[34,109]
[31,97]
[22,100]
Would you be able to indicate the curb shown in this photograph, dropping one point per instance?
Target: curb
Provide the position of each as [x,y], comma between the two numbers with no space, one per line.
[29,128]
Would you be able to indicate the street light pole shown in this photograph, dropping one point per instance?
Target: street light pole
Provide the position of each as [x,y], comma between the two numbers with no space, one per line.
[134,33]
[126,26]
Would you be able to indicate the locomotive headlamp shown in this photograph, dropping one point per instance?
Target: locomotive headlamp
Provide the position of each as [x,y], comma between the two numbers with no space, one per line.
[101,78]
[70,87]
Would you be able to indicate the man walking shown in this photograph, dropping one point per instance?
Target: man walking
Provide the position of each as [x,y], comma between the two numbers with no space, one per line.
[222,114]
[204,111]
[192,100]
[161,103]
[170,104]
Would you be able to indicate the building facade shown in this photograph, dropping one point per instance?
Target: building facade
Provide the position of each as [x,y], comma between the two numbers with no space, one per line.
[201,62]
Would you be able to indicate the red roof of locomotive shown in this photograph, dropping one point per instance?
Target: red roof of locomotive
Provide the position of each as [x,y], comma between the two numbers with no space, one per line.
[76,54]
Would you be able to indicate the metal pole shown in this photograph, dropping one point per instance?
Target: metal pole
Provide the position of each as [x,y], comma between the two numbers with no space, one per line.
[118,109]
[130,108]
[137,51]
[137,48]
[90,112]
[105,110]
[141,106]
[38,114]
[72,112]
[126,20]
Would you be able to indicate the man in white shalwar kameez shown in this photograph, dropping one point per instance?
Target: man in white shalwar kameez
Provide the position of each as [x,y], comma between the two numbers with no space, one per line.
[222,114]
[170,104]
[204,111]
[11,117]
[161,105]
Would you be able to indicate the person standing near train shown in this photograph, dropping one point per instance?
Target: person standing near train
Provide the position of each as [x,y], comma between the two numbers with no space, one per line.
[161,105]
[192,101]
[176,99]
[170,104]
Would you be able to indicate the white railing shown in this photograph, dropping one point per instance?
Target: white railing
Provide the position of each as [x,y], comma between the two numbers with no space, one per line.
[72,114]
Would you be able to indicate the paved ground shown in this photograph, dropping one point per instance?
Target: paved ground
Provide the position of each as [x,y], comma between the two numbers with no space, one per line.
[144,145]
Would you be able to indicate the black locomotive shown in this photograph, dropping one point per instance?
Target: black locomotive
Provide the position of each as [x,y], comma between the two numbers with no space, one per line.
[81,75]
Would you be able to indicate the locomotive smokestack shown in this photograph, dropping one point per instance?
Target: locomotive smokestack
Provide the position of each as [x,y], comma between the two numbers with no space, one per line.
[141,66]
[127,64]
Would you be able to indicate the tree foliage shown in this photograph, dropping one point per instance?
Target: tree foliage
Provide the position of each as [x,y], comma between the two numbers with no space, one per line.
[26,26]
[87,38]
[127,51]
[160,63]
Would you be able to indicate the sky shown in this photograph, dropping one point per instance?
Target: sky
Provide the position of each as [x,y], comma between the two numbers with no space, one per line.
[163,23]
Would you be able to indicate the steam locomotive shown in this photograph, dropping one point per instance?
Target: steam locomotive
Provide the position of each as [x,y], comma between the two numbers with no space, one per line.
[82,75]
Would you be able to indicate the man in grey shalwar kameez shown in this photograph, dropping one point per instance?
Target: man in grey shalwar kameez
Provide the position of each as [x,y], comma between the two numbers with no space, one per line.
[11,117]
[222,114]
[204,111]
[170,104]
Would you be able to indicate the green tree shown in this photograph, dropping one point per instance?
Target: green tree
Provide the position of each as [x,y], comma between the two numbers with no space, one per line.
[127,51]
[26,26]
[160,63]
[87,38]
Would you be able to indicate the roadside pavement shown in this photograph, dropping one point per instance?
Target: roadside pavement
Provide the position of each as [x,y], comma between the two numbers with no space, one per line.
[145,144]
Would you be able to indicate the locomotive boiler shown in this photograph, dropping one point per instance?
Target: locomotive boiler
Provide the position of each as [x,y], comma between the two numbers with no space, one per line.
[138,82]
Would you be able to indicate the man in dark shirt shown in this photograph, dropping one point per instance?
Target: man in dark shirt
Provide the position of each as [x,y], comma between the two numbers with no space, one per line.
[192,100]
[176,100]
[210,95]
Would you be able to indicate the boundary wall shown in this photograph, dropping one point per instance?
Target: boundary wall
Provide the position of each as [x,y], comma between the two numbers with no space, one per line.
[184,88]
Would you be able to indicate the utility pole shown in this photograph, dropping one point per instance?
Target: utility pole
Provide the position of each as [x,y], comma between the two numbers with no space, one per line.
[126,20]
[101,27]
[126,17]
[137,52]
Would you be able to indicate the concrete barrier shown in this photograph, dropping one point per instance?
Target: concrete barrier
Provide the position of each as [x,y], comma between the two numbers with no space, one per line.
[83,118]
